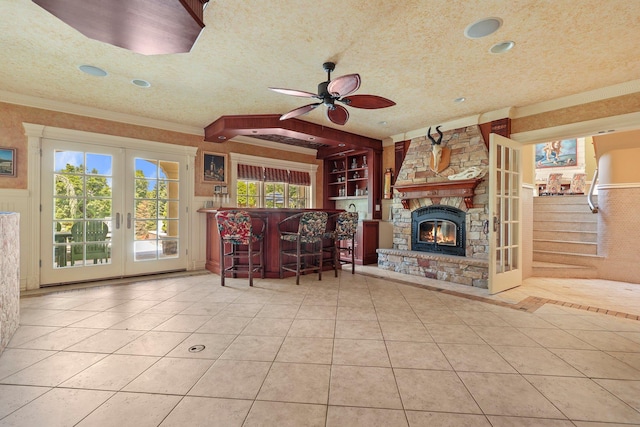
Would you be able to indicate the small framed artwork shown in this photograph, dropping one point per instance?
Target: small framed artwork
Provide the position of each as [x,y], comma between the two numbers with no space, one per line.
[557,154]
[215,168]
[7,162]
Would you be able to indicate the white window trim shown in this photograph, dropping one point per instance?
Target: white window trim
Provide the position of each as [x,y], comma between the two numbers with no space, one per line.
[236,159]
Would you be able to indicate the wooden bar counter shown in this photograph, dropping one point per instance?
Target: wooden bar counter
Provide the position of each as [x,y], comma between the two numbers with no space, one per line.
[272,236]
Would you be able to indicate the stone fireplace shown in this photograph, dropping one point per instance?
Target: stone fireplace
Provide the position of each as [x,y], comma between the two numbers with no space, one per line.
[440,225]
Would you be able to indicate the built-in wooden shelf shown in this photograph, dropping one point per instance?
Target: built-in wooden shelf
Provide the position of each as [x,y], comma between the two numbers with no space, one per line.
[435,191]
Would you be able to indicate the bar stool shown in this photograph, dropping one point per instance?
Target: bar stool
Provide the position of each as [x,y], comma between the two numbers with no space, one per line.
[236,229]
[308,243]
[346,225]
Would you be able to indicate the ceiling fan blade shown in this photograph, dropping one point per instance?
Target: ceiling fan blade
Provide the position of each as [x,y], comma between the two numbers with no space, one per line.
[299,111]
[369,102]
[294,92]
[339,115]
[343,86]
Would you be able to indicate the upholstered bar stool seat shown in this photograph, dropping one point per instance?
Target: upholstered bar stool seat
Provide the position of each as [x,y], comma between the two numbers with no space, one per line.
[236,229]
[343,239]
[301,250]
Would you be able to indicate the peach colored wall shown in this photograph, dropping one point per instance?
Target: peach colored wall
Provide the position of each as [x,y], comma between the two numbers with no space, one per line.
[618,157]
[12,136]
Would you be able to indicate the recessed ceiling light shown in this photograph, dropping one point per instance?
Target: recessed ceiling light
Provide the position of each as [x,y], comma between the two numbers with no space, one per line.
[94,71]
[311,138]
[502,47]
[382,123]
[341,145]
[141,83]
[483,28]
[459,100]
[222,137]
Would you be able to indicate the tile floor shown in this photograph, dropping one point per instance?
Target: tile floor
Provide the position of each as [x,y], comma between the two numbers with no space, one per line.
[361,350]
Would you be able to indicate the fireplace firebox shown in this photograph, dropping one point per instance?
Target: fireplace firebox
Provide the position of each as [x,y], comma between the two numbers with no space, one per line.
[439,229]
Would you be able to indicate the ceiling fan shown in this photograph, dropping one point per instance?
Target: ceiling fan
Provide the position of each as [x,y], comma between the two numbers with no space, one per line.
[337,90]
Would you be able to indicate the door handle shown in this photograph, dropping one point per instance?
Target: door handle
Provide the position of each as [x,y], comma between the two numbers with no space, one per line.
[128,220]
[496,223]
[117,221]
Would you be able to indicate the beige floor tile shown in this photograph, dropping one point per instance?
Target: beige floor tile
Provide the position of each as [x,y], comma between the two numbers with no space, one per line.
[405,331]
[340,416]
[205,308]
[519,319]
[597,364]
[13,397]
[627,391]
[106,341]
[100,304]
[242,310]
[54,369]
[280,414]
[439,317]
[26,333]
[29,315]
[536,361]
[58,407]
[357,312]
[135,409]
[363,386]
[169,307]
[208,412]
[103,320]
[360,353]
[504,335]
[132,307]
[268,327]
[59,339]
[214,346]
[296,382]
[170,376]
[111,373]
[387,314]
[312,328]
[480,318]
[326,312]
[475,358]
[607,341]
[508,394]
[440,391]
[454,334]
[583,399]
[154,343]
[329,300]
[13,360]
[566,321]
[249,347]
[183,323]
[236,379]
[306,350]
[226,325]
[362,329]
[279,311]
[498,421]
[416,355]
[443,419]
[631,359]
[555,338]
[64,318]
[142,321]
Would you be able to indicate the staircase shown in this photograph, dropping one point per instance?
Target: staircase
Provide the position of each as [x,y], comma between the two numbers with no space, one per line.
[564,237]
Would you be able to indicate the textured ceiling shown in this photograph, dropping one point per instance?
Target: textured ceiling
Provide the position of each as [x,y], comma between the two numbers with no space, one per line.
[412,52]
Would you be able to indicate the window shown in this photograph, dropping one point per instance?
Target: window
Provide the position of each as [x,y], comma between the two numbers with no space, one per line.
[272,183]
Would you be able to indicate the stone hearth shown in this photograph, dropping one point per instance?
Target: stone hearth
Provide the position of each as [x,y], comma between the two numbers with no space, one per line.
[418,186]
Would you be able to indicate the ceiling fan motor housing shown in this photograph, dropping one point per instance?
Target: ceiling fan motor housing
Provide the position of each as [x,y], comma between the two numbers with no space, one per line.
[327,98]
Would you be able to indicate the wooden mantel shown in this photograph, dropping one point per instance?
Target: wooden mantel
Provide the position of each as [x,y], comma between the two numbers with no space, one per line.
[437,190]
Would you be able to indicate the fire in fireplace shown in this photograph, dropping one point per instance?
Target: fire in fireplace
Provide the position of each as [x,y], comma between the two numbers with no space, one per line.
[439,229]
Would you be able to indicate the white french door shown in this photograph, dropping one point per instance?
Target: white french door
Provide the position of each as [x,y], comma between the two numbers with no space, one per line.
[110,212]
[505,207]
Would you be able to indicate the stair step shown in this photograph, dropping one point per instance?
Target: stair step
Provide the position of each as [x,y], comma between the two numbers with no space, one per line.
[566,235]
[562,207]
[564,216]
[550,269]
[565,257]
[582,248]
[565,225]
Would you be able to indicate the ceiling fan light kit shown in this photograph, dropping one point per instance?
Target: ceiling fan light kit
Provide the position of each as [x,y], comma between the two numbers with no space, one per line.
[331,91]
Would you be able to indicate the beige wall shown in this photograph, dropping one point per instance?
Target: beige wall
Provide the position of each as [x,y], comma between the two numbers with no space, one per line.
[12,136]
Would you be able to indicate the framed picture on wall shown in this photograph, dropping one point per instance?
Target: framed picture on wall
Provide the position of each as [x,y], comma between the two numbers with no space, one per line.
[7,162]
[215,168]
[557,154]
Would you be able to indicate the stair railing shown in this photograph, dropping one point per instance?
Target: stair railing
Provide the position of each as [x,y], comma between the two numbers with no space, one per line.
[592,206]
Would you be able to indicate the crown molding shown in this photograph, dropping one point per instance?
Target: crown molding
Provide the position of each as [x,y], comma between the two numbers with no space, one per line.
[451,124]
[96,113]
[273,145]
